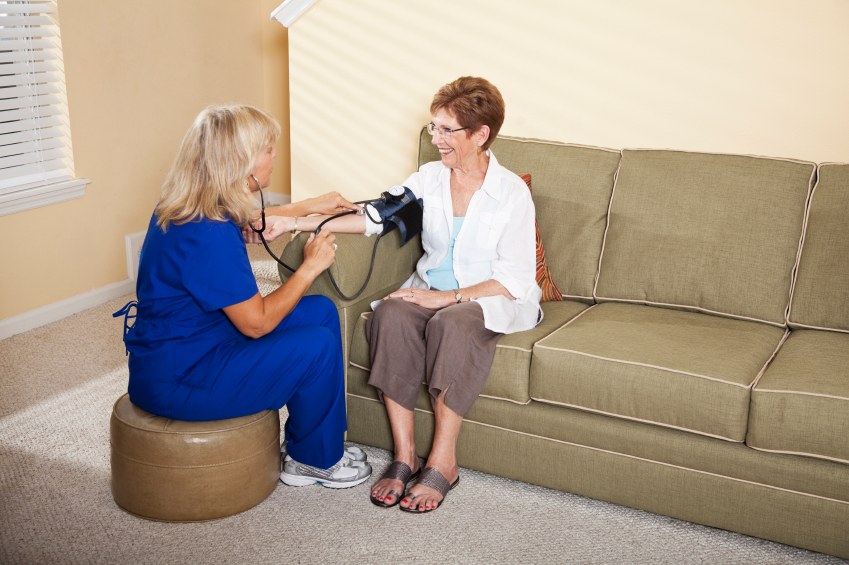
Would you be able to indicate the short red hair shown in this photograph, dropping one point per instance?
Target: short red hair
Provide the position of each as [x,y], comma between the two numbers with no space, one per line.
[474,102]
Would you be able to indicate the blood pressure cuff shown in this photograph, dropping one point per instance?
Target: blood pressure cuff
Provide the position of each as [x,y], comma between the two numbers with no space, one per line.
[404,213]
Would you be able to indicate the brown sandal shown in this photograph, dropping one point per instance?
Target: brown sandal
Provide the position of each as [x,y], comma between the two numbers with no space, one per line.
[432,478]
[400,471]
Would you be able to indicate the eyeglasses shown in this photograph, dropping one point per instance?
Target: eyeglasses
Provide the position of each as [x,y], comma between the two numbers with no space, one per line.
[443,131]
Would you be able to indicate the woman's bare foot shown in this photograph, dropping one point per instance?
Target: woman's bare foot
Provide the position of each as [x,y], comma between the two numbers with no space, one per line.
[387,491]
[443,458]
[422,497]
[402,421]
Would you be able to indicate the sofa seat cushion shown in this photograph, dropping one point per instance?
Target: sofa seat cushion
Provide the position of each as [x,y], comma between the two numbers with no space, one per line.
[801,404]
[672,368]
[508,378]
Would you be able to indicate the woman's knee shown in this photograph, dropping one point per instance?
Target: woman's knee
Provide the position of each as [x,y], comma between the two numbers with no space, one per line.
[392,312]
[392,324]
[389,308]
[447,321]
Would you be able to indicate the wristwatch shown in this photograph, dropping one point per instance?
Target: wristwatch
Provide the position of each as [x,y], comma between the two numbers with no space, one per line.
[458,296]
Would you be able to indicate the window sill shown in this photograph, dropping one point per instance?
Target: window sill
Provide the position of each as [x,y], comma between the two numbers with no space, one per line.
[42,196]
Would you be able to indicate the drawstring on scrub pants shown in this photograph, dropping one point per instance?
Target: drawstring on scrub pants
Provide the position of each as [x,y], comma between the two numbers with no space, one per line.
[125,311]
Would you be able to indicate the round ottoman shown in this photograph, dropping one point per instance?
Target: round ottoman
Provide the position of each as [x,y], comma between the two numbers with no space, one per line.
[175,471]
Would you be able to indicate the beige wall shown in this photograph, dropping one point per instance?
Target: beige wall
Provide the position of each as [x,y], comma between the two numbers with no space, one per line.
[137,74]
[760,77]
[757,77]
[275,76]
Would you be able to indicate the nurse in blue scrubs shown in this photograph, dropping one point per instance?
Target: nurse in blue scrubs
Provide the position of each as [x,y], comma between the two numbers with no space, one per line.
[205,344]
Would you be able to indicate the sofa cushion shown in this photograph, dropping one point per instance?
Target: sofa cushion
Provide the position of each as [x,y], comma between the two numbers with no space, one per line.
[712,233]
[801,404]
[821,293]
[678,369]
[508,378]
[572,187]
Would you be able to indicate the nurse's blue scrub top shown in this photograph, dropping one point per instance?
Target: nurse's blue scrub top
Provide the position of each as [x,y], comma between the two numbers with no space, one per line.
[187,274]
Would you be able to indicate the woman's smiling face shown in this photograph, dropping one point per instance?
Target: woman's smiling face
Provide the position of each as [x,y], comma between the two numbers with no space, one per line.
[461,148]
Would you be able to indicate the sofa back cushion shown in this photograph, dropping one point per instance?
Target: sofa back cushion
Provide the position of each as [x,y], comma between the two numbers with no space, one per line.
[711,233]
[572,187]
[821,292]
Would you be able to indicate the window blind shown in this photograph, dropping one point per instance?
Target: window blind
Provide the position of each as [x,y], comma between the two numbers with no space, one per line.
[34,141]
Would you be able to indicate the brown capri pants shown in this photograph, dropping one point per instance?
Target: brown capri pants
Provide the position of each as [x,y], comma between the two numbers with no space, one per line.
[449,349]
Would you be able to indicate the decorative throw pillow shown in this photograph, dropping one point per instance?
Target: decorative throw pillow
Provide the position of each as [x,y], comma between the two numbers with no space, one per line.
[550,293]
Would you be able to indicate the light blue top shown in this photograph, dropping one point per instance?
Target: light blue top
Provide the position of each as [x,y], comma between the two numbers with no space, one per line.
[442,277]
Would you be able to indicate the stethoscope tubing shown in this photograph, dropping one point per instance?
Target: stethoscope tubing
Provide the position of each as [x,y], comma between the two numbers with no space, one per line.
[317,231]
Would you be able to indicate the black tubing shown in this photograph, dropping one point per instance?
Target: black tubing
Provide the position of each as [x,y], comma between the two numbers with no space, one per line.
[368,276]
[276,258]
[329,274]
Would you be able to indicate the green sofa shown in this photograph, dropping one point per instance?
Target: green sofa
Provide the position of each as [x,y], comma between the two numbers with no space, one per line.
[698,366]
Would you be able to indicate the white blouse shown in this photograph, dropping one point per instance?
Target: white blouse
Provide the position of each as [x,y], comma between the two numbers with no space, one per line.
[497,241]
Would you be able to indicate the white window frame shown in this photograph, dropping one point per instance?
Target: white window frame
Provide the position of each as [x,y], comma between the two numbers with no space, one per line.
[35,83]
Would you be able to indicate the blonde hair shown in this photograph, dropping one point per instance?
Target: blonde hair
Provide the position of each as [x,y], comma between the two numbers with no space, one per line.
[209,176]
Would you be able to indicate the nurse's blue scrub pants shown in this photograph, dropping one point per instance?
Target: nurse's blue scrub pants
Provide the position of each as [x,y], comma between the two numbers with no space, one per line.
[298,364]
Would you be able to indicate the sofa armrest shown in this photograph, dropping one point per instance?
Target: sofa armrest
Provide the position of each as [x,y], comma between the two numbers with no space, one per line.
[393,265]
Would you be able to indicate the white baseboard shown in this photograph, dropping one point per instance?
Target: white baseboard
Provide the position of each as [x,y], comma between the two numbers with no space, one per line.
[64,308]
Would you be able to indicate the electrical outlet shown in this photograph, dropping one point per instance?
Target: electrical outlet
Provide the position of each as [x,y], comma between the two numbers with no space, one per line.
[133,242]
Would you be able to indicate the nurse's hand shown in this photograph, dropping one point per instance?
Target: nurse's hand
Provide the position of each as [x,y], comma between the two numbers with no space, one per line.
[275,226]
[320,251]
[329,204]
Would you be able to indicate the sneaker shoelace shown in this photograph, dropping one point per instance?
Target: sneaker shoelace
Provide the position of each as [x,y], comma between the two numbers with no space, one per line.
[326,473]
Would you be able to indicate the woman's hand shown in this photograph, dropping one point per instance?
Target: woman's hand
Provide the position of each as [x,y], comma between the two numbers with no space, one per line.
[430,299]
[329,204]
[320,251]
[275,226]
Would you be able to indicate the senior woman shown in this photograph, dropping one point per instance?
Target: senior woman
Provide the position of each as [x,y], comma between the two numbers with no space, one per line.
[205,344]
[475,282]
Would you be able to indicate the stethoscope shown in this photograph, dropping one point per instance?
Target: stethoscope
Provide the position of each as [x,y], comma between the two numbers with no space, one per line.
[317,231]
[262,229]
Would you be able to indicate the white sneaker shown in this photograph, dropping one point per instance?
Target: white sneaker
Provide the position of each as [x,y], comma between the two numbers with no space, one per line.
[353,453]
[345,473]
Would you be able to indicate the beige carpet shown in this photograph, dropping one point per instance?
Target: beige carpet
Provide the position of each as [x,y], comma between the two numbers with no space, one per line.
[57,387]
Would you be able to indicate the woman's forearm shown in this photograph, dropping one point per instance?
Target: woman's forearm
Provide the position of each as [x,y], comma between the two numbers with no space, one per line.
[351,223]
[292,210]
[437,299]
[487,288]
[330,203]
[258,316]
[280,303]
